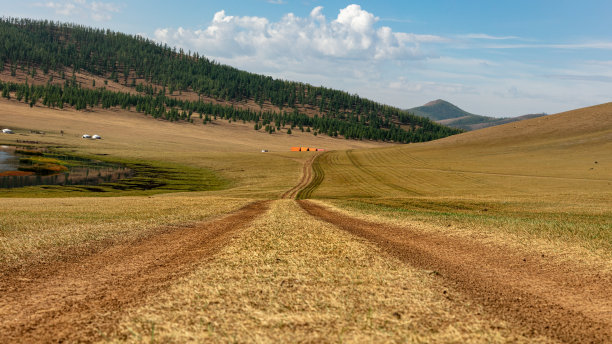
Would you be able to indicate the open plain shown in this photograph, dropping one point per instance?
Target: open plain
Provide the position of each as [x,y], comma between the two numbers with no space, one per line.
[497,235]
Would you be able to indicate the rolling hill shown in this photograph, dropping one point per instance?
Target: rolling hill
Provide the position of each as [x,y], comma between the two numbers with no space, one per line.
[495,235]
[566,151]
[449,114]
[66,64]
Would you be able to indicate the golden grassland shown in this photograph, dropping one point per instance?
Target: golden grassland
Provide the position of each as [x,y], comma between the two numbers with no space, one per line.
[541,185]
[34,230]
[549,178]
[232,151]
[39,230]
[292,278]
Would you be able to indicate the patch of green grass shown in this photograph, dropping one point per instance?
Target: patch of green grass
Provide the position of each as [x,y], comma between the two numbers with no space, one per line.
[150,177]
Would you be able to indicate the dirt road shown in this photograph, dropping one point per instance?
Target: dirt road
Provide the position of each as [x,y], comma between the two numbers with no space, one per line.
[78,300]
[304,180]
[562,302]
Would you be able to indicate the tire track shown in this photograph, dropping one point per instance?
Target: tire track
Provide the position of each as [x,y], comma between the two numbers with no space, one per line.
[304,180]
[567,303]
[77,300]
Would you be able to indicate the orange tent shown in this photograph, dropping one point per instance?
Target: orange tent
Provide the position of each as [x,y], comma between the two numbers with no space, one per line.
[312,149]
[295,149]
[304,149]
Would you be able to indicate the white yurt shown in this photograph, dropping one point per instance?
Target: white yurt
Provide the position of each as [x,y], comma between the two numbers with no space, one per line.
[86,136]
[96,137]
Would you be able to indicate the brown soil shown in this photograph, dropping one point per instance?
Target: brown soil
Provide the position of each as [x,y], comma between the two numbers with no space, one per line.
[567,303]
[78,300]
[16,174]
[304,180]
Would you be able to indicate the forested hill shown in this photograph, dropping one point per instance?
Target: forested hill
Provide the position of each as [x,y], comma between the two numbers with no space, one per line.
[153,73]
[449,114]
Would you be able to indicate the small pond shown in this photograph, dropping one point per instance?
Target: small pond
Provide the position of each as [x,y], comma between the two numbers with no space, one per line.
[21,167]
[8,160]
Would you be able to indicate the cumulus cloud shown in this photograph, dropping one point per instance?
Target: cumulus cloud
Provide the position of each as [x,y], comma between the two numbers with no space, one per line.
[354,51]
[98,11]
[353,34]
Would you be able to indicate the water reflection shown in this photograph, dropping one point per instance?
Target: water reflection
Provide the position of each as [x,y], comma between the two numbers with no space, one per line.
[91,173]
[8,160]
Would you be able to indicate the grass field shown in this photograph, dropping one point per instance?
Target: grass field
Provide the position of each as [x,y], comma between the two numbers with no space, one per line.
[291,278]
[220,155]
[538,190]
[232,151]
[549,178]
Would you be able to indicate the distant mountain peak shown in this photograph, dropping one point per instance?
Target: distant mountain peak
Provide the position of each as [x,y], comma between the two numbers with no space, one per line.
[449,114]
[436,102]
[440,110]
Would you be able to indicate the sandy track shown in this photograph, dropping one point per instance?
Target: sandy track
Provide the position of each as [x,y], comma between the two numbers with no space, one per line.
[566,303]
[304,180]
[77,300]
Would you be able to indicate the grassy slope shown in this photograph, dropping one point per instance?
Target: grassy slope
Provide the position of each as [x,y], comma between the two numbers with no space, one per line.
[287,275]
[290,275]
[231,151]
[549,177]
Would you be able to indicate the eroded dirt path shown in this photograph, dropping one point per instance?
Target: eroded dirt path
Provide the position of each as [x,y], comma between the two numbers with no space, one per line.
[78,300]
[562,302]
[304,180]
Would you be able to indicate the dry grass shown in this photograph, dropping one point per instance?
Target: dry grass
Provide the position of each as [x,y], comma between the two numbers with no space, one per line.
[41,230]
[540,233]
[36,229]
[291,278]
[549,178]
[231,150]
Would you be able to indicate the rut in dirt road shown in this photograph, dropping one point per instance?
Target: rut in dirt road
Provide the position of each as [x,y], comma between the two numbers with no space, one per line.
[77,300]
[304,180]
[562,302]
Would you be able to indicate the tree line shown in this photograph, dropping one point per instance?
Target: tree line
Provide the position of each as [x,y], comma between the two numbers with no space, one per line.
[60,47]
[160,106]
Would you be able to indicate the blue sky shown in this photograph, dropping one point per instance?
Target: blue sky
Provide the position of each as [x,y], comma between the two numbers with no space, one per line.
[499,58]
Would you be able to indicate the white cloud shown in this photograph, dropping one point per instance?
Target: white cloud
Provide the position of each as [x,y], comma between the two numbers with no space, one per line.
[102,11]
[277,2]
[98,11]
[485,36]
[572,46]
[430,87]
[63,8]
[581,77]
[353,35]
[354,52]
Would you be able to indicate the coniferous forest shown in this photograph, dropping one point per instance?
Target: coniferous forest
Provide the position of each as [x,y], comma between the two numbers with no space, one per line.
[66,49]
